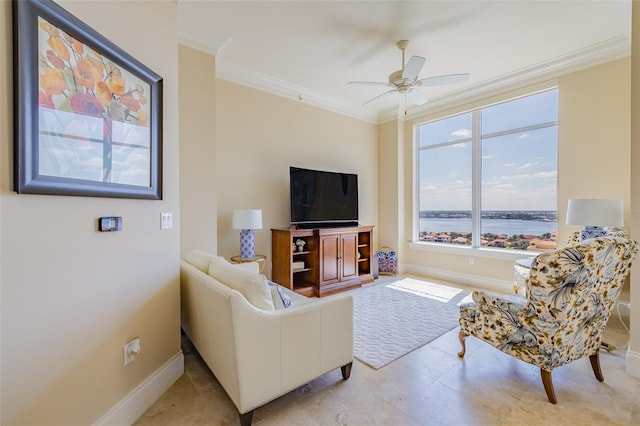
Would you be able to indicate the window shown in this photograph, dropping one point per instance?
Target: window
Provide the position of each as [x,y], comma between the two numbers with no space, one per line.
[488,177]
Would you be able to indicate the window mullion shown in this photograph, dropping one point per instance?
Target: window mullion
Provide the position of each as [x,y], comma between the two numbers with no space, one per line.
[476,179]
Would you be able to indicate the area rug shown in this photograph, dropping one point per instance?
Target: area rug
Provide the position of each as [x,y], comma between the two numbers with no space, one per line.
[391,320]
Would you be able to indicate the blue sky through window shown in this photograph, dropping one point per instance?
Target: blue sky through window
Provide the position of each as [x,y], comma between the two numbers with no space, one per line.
[519,170]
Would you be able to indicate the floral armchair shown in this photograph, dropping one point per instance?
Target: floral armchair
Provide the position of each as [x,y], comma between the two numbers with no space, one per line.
[565,308]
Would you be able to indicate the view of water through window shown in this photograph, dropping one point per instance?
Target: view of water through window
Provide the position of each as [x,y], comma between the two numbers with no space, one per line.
[512,156]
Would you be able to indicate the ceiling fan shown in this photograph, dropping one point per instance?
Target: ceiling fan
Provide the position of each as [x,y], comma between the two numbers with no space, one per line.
[405,81]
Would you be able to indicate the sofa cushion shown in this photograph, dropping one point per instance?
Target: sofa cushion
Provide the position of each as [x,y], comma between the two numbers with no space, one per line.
[252,286]
[199,259]
[281,299]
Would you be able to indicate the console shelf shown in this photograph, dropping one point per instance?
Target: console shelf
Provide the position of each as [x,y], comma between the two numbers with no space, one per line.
[334,259]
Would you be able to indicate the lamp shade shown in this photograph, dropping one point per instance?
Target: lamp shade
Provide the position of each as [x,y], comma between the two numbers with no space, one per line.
[595,212]
[247,219]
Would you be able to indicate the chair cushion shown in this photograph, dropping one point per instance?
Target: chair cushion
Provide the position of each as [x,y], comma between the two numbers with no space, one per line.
[253,286]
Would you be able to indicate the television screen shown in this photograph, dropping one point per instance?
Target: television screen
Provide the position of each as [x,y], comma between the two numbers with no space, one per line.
[323,197]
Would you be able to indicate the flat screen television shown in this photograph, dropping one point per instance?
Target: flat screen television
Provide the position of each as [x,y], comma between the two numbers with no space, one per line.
[323,198]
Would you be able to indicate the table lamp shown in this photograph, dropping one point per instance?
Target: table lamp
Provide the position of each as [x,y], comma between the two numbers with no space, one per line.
[594,215]
[247,220]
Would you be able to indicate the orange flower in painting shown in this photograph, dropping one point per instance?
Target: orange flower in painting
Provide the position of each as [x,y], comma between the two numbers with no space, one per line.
[130,102]
[84,74]
[45,100]
[58,45]
[44,26]
[52,81]
[98,67]
[86,104]
[103,93]
[142,118]
[54,59]
[116,84]
[77,46]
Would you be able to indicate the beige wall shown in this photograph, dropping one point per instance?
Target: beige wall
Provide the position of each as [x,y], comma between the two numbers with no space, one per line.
[390,183]
[593,112]
[260,135]
[594,131]
[198,228]
[71,296]
[633,361]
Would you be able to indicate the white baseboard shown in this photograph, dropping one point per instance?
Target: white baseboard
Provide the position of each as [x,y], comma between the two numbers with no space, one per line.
[502,286]
[132,406]
[633,363]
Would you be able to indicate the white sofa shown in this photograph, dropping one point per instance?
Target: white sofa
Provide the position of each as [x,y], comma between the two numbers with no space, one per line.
[259,354]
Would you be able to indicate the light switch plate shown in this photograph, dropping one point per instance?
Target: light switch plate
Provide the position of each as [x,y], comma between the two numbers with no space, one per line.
[166,220]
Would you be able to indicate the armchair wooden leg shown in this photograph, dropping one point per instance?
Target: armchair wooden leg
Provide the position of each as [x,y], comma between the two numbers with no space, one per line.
[595,365]
[548,386]
[346,371]
[461,337]
[246,418]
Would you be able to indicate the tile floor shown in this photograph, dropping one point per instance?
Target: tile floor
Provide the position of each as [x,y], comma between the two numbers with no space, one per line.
[429,386]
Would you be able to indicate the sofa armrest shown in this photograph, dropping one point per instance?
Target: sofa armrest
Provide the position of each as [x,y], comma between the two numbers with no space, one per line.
[278,351]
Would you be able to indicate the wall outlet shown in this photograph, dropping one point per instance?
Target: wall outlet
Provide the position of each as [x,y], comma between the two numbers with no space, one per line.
[131,349]
[471,260]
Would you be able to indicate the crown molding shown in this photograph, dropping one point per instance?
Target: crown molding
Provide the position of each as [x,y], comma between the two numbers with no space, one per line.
[213,46]
[596,54]
[263,82]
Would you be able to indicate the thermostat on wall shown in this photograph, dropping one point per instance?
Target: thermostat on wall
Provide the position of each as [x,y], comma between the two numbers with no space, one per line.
[110,223]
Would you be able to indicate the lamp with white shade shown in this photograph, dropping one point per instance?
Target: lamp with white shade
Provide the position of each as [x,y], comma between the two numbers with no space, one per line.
[247,220]
[594,215]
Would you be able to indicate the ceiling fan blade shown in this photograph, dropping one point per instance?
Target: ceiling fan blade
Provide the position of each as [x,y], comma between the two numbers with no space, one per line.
[413,67]
[369,83]
[417,97]
[379,96]
[443,79]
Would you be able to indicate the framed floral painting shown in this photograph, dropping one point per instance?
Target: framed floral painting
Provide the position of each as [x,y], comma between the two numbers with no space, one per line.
[88,116]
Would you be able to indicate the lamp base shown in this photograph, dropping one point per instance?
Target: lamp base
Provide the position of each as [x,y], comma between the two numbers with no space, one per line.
[247,244]
[589,232]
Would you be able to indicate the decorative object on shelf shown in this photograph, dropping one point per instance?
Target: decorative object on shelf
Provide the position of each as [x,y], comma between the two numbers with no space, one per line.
[594,215]
[387,261]
[297,265]
[247,220]
[88,114]
[300,244]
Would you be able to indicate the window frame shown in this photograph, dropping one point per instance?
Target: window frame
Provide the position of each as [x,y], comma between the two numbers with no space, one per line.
[475,249]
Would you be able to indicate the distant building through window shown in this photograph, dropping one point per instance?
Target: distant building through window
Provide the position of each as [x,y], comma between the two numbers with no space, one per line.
[488,177]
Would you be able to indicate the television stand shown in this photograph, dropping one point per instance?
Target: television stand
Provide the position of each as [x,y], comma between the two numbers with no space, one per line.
[330,260]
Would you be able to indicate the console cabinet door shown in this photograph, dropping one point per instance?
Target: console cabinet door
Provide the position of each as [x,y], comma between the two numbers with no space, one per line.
[329,259]
[348,257]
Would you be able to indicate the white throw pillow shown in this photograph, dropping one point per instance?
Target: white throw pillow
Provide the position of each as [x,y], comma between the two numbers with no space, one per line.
[252,286]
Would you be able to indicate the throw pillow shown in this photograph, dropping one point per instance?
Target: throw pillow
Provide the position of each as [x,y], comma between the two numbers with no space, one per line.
[281,299]
[252,286]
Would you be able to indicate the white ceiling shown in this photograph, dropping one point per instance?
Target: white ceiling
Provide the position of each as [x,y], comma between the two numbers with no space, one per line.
[309,50]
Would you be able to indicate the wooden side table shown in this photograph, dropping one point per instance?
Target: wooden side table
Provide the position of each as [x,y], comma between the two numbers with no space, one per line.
[260,258]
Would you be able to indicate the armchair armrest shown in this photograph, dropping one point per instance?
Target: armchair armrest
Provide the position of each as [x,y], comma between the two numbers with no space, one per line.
[487,301]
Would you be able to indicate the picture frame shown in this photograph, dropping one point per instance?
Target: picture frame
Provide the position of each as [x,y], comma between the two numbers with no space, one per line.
[88,116]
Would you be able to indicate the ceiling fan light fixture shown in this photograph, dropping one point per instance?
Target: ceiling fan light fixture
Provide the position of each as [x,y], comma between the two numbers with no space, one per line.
[405,80]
